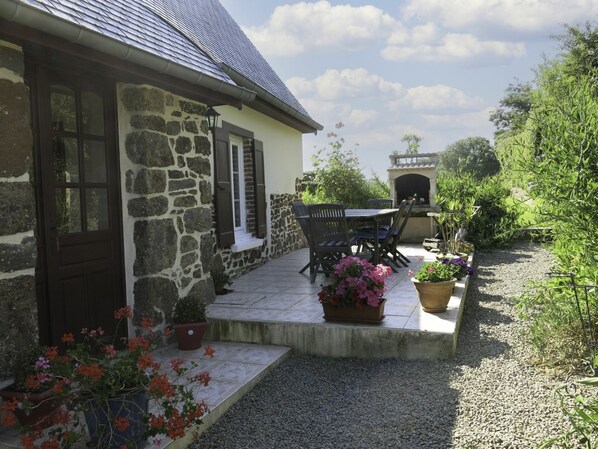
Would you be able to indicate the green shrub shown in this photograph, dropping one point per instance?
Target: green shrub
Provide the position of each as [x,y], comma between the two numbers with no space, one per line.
[495,223]
[190,309]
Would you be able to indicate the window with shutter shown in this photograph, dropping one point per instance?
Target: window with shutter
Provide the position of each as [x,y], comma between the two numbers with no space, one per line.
[240,190]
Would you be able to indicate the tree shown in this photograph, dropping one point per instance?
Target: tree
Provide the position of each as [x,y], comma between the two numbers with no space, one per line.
[511,115]
[337,176]
[473,155]
[412,143]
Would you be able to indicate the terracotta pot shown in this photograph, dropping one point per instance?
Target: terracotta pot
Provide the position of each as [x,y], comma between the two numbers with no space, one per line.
[434,296]
[43,407]
[189,335]
[365,314]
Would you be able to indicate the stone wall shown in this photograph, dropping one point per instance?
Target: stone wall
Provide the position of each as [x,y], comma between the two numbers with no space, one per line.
[286,233]
[167,199]
[283,237]
[18,252]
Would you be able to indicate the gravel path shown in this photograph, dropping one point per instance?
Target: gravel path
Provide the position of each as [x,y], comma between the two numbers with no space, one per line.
[486,397]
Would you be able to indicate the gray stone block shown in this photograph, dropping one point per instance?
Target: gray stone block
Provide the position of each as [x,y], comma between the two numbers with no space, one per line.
[151,292]
[199,165]
[15,257]
[206,252]
[12,60]
[149,148]
[183,145]
[192,108]
[18,318]
[185,201]
[202,145]
[204,289]
[148,207]
[191,126]
[155,246]
[198,220]
[152,122]
[188,243]
[15,128]
[181,184]
[188,259]
[205,191]
[149,181]
[173,128]
[142,99]
[17,207]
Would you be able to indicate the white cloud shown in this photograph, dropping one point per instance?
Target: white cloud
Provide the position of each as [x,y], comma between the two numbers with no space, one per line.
[455,47]
[296,28]
[529,16]
[342,84]
[477,121]
[440,97]
[361,117]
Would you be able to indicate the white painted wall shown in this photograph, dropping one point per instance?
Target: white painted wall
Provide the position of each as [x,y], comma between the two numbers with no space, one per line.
[283,160]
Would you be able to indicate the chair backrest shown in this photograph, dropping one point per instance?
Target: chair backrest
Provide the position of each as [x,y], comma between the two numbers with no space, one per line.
[328,223]
[379,203]
[404,220]
[302,216]
[392,230]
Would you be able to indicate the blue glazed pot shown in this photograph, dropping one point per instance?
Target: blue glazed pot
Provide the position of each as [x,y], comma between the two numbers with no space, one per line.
[100,422]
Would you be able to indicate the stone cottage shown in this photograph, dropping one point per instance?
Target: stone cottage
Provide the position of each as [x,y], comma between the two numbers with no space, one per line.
[113,190]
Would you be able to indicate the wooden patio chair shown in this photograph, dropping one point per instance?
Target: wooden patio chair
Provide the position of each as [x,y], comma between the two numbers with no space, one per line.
[302,216]
[394,247]
[379,203]
[329,237]
[384,239]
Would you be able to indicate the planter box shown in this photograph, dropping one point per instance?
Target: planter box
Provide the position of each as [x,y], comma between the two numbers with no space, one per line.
[365,314]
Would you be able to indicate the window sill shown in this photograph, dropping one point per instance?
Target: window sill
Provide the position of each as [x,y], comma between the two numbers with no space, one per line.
[245,242]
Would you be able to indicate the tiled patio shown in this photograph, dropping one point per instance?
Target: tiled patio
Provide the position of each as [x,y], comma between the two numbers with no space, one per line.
[274,310]
[275,304]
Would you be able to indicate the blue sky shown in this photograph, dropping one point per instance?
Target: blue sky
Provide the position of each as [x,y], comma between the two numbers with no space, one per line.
[385,68]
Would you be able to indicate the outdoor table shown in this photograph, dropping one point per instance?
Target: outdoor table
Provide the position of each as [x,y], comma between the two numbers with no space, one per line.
[374,216]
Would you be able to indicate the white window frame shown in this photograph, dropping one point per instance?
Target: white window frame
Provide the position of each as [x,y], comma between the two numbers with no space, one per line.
[237,141]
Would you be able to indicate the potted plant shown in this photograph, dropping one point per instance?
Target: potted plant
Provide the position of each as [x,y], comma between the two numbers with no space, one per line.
[30,397]
[107,389]
[190,323]
[220,279]
[464,268]
[434,283]
[355,292]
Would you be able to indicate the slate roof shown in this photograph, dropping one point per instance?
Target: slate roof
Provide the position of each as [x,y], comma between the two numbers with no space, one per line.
[197,34]
[211,27]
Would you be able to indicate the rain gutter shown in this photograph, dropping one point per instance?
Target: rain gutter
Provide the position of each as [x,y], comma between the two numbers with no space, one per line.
[15,11]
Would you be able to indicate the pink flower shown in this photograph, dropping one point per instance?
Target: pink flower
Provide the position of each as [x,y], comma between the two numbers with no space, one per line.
[410,273]
[431,269]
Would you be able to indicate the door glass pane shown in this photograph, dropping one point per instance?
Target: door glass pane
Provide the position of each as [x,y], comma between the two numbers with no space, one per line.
[97,209]
[68,210]
[66,159]
[95,161]
[62,103]
[92,113]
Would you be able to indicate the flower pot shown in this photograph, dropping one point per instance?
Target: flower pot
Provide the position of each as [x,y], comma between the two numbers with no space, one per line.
[102,429]
[434,296]
[441,256]
[43,407]
[365,314]
[189,335]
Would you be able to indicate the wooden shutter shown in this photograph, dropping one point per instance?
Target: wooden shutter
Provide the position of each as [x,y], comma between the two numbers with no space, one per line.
[260,189]
[225,228]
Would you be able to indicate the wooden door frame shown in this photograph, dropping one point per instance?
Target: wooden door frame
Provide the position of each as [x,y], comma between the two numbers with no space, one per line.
[75,69]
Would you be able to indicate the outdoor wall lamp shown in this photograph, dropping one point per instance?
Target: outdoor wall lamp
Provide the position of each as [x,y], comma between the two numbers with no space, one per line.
[212,118]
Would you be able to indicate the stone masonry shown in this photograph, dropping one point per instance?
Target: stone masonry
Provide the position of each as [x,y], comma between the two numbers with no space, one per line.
[18,306]
[168,198]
